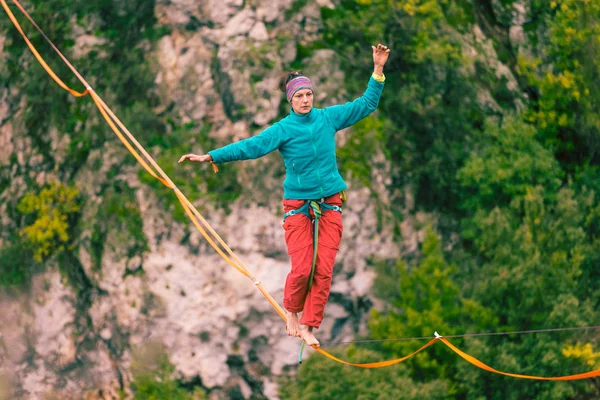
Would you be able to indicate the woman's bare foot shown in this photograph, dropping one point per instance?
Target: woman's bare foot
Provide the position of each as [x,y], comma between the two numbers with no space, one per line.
[293,324]
[306,333]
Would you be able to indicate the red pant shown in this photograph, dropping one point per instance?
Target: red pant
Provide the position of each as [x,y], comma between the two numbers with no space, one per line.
[299,239]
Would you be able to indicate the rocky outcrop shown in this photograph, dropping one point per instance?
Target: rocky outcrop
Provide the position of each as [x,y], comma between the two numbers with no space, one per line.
[41,351]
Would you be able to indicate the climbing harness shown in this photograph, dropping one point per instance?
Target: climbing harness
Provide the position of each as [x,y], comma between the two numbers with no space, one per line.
[318,207]
[150,165]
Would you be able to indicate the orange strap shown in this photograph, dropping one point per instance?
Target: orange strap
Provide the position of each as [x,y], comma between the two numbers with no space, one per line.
[202,225]
[35,53]
[379,364]
[481,365]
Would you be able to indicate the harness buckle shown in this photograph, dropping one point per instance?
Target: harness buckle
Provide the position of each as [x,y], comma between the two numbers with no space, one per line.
[305,209]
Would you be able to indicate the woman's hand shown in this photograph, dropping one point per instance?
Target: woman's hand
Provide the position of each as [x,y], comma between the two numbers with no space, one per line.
[196,158]
[380,56]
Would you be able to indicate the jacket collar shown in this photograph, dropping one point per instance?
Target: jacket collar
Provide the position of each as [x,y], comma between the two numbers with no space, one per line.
[301,117]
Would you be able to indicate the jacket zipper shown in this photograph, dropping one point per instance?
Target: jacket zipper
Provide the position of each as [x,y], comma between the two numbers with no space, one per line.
[296,172]
[312,138]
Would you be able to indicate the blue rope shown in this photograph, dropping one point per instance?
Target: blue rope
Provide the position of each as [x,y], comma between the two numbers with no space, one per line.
[301,351]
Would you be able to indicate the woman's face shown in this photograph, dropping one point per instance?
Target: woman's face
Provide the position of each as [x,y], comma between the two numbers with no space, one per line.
[302,101]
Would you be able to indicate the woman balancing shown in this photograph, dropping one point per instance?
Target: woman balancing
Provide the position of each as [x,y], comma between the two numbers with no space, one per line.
[306,140]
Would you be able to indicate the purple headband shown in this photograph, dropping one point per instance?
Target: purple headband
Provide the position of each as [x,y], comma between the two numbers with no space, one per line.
[296,84]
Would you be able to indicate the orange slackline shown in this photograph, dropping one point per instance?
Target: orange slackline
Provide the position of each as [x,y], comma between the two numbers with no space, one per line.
[379,364]
[150,165]
[481,365]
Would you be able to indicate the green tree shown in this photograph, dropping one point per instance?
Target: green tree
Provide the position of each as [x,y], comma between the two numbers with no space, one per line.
[565,69]
[507,162]
[48,218]
[537,245]
[537,256]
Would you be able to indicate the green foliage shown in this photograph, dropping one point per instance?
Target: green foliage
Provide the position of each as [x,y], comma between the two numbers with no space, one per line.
[540,249]
[507,163]
[153,377]
[538,271]
[566,72]
[321,378]
[537,249]
[48,218]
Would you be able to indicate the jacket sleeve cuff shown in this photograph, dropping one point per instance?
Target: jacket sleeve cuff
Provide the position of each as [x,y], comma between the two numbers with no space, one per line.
[379,78]
[214,154]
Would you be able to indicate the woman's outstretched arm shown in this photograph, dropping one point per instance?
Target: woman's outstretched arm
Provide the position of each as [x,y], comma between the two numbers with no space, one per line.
[342,116]
[253,147]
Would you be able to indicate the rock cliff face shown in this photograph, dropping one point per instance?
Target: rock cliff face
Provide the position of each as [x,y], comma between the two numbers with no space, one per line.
[219,64]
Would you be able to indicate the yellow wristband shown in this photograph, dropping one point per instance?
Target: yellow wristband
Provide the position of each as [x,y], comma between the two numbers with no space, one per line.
[379,78]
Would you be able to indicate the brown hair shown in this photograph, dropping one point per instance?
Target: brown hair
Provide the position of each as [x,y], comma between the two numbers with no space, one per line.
[286,77]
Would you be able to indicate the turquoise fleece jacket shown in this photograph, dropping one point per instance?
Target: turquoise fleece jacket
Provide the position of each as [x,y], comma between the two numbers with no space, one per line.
[307,144]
